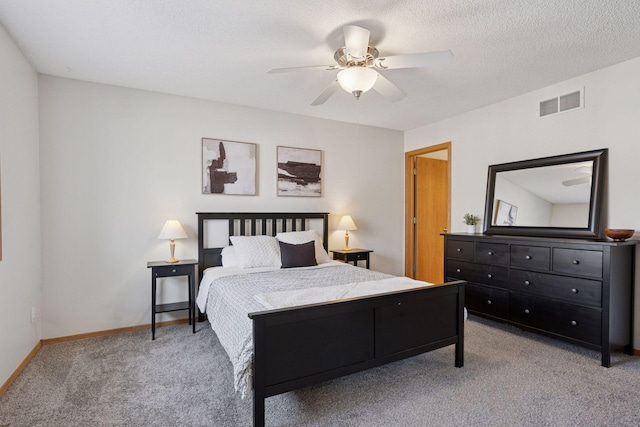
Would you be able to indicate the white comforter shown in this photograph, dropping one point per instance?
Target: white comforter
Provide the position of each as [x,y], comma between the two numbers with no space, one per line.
[227,295]
[297,297]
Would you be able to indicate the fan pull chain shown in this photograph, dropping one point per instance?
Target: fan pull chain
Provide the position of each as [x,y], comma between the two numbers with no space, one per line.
[358,117]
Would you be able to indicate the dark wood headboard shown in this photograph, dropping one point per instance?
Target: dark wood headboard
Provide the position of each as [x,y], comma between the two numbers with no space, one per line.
[254,223]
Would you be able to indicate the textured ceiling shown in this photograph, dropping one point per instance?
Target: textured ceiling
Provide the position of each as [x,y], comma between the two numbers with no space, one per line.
[221,49]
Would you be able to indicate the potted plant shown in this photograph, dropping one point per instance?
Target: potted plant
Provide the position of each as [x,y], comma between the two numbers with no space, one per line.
[471,220]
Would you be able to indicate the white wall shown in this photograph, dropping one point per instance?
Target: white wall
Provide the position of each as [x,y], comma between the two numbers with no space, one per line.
[570,215]
[116,163]
[532,209]
[510,131]
[20,181]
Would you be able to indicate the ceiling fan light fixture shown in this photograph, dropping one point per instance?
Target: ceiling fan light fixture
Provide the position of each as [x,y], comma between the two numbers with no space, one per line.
[357,80]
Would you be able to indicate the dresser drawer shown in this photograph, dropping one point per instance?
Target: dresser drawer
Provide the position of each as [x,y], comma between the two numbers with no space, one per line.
[462,270]
[491,275]
[492,253]
[491,301]
[567,289]
[580,323]
[460,249]
[478,273]
[530,257]
[578,262]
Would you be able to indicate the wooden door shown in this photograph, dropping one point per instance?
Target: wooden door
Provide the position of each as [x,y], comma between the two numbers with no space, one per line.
[432,217]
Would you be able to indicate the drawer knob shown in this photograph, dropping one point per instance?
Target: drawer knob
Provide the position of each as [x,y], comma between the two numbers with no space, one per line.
[458,270]
[574,323]
[490,253]
[526,311]
[527,283]
[489,301]
[527,257]
[173,271]
[489,275]
[574,290]
[576,262]
[458,250]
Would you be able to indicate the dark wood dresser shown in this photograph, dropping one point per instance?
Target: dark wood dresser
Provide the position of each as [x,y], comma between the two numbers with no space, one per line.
[575,290]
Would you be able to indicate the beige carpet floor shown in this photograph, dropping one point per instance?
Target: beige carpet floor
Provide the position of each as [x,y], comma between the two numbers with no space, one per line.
[510,378]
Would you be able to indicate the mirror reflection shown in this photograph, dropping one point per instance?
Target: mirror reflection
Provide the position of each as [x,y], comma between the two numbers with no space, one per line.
[546,196]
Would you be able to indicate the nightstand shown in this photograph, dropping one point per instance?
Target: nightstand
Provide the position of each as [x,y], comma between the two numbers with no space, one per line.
[353,255]
[161,269]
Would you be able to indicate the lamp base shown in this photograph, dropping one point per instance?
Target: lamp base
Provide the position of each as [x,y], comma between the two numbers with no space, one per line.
[172,247]
[346,241]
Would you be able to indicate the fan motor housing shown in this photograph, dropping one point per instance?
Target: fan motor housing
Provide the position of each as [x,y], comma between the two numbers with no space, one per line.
[345,60]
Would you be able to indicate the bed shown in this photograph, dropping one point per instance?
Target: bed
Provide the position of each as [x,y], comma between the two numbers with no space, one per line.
[312,340]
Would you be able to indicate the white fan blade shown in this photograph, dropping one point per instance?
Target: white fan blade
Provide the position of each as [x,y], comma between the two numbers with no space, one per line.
[356,40]
[388,90]
[309,68]
[583,180]
[326,94]
[414,60]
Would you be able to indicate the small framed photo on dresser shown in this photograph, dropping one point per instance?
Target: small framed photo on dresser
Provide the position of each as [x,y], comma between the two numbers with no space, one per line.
[506,214]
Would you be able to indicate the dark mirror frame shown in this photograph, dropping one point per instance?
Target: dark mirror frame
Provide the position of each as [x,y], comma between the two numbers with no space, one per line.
[594,228]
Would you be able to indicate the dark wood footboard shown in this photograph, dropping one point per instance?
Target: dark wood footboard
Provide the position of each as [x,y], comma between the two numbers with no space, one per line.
[301,346]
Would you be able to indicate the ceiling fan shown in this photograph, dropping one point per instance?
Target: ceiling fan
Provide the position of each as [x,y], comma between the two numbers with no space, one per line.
[585,171]
[358,64]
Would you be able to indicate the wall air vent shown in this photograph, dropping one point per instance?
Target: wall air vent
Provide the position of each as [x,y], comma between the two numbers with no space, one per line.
[562,103]
[550,106]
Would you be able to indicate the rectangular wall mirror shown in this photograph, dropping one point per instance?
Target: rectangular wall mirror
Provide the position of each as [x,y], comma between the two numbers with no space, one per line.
[559,196]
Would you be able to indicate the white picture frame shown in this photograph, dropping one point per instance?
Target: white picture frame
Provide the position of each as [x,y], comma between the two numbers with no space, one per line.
[506,214]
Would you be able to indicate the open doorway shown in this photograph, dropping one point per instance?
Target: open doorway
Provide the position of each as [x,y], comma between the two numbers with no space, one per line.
[427,211]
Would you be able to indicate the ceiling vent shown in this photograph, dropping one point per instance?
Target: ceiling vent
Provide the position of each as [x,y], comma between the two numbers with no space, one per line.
[561,103]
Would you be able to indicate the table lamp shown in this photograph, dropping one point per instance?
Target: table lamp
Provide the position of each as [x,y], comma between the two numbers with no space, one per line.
[172,230]
[346,224]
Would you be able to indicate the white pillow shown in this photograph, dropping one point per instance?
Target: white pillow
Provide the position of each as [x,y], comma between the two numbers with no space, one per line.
[298,237]
[229,257]
[256,251]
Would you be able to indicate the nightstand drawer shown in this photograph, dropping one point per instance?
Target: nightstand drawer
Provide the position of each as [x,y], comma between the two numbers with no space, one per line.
[460,249]
[578,262]
[530,257]
[353,255]
[173,270]
[357,256]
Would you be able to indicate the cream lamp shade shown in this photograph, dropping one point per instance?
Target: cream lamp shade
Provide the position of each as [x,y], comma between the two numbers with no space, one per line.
[172,230]
[346,224]
[357,80]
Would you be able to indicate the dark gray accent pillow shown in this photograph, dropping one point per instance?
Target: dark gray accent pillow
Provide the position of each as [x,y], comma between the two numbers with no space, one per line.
[303,255]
